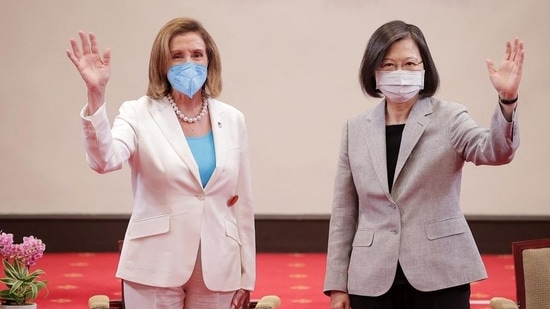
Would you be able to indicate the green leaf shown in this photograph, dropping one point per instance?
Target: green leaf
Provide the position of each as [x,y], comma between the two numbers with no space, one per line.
[21,284]
[9,270]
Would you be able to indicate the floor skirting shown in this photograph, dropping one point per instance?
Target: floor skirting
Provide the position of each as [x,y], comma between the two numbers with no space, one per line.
[274,233]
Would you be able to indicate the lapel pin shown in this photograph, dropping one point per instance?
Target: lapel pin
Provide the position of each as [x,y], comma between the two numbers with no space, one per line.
[232,201]
[219,124]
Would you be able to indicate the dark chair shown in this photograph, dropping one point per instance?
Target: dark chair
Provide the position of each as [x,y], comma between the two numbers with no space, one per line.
[532,270]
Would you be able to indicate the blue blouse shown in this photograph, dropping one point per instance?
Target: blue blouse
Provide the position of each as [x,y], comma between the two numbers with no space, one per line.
[204,152]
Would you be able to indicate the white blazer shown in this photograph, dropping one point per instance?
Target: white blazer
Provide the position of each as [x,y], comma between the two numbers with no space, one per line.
[172,214]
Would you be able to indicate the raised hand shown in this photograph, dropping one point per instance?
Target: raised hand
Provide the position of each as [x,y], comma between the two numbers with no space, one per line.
[94,69]
[506,78]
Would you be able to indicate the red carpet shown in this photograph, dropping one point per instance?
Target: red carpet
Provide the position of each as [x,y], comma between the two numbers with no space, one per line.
[296,278]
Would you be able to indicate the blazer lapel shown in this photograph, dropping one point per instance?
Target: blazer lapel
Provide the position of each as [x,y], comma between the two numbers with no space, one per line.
[220,130]
[416,124]
[375,132]
[168,123]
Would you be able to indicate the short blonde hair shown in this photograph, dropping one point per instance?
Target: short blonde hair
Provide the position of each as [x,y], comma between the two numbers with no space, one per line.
[159,86]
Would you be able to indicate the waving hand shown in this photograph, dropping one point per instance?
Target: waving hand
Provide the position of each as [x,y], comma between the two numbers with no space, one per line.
[506,78]
[94,69]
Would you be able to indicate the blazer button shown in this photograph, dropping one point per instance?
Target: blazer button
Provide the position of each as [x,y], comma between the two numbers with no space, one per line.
[200,197]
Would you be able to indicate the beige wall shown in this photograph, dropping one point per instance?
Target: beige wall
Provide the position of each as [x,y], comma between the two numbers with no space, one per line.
[290,65]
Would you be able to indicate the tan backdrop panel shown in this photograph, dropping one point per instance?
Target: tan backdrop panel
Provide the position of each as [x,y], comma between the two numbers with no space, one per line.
[290,66]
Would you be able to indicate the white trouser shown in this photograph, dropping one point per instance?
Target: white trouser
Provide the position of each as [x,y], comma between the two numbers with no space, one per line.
[192,295]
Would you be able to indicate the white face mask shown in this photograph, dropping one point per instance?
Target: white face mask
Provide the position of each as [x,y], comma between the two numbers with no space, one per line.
[399,86]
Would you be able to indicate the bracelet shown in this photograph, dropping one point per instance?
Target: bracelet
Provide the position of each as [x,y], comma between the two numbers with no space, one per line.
[507,102]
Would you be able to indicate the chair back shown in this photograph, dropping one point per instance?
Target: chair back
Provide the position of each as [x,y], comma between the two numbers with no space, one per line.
[532,269]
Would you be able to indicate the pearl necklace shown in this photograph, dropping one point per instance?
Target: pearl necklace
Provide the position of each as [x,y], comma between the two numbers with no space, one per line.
[181,116]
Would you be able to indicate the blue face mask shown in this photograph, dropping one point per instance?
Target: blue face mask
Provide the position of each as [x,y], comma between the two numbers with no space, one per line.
[188,77]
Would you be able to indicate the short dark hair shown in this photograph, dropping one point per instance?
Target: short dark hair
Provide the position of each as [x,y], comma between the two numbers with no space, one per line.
[377,48]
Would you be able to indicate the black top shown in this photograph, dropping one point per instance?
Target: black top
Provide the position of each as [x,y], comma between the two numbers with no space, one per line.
[393,141]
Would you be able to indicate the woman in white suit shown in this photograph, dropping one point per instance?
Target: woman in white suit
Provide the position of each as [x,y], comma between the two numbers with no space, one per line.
[190,242]
[398,239]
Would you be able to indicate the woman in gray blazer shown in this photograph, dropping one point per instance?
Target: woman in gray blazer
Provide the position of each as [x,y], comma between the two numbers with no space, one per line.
[398,238]
[190,241]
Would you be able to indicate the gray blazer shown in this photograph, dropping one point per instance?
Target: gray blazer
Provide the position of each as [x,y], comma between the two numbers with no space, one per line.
[420,223]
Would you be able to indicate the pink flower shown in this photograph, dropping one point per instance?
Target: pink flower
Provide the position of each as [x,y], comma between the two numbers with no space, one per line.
[6,245]
[30,250]
[21,284]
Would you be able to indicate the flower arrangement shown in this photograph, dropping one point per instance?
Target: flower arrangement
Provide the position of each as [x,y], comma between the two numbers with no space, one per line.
[22,285]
